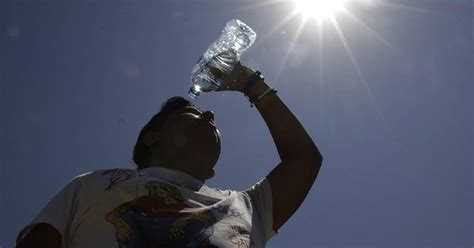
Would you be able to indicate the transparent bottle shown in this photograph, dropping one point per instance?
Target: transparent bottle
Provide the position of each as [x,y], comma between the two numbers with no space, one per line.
[223,54]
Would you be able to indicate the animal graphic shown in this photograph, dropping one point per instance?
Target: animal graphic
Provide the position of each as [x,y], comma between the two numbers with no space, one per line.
[161,218]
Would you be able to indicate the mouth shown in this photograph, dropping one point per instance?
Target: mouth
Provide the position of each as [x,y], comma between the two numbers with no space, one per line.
[210,123]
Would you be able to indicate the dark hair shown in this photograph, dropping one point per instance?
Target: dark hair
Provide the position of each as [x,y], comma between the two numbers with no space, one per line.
[141,153]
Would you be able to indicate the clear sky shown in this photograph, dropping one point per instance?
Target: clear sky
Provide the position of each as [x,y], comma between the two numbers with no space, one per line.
[385,91]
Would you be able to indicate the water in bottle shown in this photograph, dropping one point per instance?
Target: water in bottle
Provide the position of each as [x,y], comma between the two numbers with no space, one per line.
[222,54]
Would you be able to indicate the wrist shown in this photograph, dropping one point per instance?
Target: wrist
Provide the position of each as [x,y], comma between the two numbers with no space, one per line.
[254,85]
[261,91]
[257,89]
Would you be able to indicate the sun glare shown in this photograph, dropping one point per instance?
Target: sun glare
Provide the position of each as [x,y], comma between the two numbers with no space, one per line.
[319,9]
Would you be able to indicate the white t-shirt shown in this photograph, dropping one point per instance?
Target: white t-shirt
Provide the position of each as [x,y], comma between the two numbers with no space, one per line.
[157,207]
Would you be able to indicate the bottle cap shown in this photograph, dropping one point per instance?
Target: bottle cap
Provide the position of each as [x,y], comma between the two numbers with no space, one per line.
[193,93]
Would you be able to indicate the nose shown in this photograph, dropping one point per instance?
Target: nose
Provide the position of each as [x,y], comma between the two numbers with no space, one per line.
[208,116]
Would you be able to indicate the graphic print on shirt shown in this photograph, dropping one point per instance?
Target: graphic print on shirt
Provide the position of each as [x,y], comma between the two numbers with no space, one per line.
[161,218]
[240,237]
[120,175]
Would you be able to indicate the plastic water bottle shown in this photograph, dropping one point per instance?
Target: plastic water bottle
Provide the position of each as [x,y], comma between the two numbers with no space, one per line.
[223,54]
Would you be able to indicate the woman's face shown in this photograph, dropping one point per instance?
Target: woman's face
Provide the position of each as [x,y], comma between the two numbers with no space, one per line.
[192,133]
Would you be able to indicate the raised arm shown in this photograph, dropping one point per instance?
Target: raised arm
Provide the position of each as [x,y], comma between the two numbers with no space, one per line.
[301,160]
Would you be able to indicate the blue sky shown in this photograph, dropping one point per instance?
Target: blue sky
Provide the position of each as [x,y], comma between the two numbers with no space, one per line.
[393,117]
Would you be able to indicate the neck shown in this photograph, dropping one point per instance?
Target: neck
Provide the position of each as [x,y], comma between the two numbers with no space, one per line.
[182,166]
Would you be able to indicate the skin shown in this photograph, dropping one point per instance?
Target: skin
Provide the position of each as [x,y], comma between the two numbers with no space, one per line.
[190,143]
[42,235]
[292,178]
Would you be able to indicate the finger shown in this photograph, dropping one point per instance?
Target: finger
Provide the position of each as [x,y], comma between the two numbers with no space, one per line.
[225,87]
[236,68]
[216,72]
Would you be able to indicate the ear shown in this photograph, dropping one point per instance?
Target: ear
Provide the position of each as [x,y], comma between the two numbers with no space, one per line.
[150,138]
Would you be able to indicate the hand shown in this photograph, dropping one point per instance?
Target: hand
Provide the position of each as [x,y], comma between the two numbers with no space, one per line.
[237,79]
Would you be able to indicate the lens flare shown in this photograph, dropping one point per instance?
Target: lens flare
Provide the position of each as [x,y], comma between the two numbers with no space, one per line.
[319,9]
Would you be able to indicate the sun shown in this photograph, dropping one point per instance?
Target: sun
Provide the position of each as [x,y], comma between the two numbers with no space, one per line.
[319,9]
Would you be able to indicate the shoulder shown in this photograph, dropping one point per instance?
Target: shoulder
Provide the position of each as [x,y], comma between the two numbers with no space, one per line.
[105,173]
[261,187]
[216,192]
[105,176]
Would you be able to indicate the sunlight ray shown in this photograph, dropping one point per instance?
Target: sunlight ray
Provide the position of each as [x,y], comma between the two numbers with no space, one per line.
[356,65]
[255,5]
[290,49]
[320,52]
[370,30]
[320,70]
[405,7]
[275,28]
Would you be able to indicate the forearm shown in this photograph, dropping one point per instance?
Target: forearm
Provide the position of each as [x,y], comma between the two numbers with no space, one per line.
[300,158]
[291,139]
